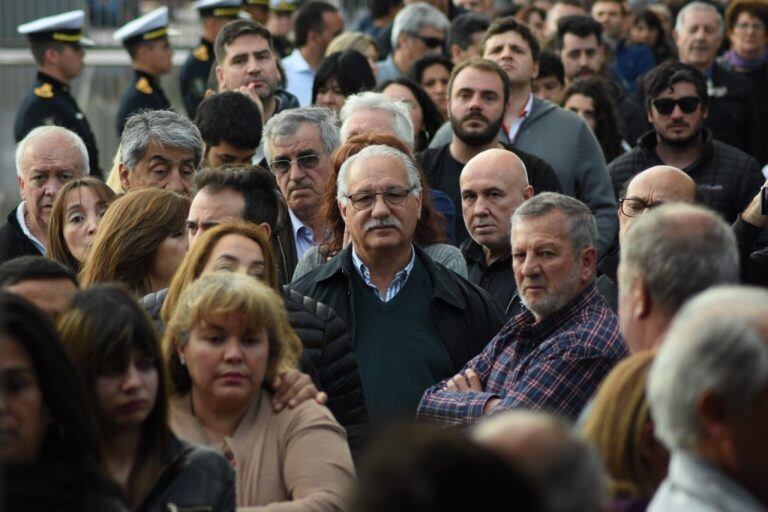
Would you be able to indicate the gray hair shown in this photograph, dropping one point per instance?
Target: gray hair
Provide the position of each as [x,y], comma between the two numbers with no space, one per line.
[163,127]
[713,345]
[288,122]
[414,17]
[582,226]
[342,181]
[697,6]
[679,250]
[569,471]
[403,125]
[45,133]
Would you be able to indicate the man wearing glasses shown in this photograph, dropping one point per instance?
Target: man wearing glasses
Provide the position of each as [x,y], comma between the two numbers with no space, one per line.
[677,104]
[418,30]
[413,322]
[297,147]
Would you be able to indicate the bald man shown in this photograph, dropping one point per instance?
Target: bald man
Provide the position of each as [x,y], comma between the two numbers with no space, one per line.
[493,184]
[648,189]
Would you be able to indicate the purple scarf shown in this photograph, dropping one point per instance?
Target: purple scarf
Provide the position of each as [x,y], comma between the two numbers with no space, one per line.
[744,63]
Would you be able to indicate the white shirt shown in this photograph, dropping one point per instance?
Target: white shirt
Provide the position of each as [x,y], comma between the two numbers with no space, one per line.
[512,133]
[299,77]
[24,229]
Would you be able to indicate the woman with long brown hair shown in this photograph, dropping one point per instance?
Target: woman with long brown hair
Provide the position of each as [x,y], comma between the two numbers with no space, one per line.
[75,217]
[140,242]
[430,228]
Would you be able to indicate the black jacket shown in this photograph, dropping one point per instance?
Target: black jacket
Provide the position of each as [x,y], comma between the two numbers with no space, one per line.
[465,316]
[727,178]
[193,76]
[498,279]
[13,241]
[144,92]
[327,357]
[196,478]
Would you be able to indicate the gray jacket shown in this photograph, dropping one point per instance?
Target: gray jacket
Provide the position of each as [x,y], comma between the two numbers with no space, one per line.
[563,140]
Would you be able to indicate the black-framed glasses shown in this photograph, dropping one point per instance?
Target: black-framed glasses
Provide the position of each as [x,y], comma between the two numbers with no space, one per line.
[634,207]
[429,41]
[393,197]
[688,104]
[306,162]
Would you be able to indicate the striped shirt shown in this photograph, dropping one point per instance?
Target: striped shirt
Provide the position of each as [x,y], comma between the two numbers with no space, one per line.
[554,365]
[394,287]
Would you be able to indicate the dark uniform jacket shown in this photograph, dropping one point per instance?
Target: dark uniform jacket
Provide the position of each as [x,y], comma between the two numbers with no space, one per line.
[498,279]
[194,76]
[465,316]
[143,93]
[727,178]
[49,102]
[13,241]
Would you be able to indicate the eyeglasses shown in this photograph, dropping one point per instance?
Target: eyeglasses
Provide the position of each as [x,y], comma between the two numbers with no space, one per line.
[393,197]
[306,162]
[634,207]
[430,42]
[687,104]
[744,27]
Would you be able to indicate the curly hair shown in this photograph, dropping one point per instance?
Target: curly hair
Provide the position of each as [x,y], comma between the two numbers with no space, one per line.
[606,117]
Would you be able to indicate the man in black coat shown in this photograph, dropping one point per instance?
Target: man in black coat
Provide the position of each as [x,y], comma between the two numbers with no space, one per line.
[412,321]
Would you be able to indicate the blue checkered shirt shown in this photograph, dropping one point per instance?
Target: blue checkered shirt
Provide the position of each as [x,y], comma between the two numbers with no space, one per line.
[554,365]
[397,283]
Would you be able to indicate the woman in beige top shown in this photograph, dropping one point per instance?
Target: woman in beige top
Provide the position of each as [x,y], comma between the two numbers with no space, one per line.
[229,335]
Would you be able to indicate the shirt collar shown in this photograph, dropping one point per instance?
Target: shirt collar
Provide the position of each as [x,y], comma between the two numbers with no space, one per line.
[543,329]
[365,272]
[299,62]
[298,226]
[24,229]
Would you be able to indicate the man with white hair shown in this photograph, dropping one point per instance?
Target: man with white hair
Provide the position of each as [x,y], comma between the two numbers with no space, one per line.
[369,112]
[708,393]
[413,322]
[46,158]
[418,30]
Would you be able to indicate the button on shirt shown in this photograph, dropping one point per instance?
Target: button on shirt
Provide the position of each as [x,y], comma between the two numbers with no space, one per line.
[512,131]
[303,235]
[20,217]
[299,77]
[401,277]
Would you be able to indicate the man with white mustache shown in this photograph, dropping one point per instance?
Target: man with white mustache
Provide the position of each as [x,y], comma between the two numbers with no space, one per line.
[413,322]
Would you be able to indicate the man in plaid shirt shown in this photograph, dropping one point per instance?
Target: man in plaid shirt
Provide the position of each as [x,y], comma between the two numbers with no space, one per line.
[555,354]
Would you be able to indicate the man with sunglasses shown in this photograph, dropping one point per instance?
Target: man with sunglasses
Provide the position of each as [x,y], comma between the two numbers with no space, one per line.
[297,146]
[418,30]
[677,103]
[413,322]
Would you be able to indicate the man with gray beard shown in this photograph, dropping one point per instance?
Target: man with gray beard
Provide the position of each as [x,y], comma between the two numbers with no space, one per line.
[553,355]
[413,322]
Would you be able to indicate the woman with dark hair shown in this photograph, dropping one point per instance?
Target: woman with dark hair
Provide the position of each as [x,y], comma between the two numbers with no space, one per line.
[49,446]
[340,75]
[425,116]
[589,99]
[647,29]
[535,17]
[140,242]
[110,339]
[76,213]
[432,73]
[430,228]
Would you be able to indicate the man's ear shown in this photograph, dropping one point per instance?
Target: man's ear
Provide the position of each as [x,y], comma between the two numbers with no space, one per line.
[641,298]
[535,73]
[124,174]
[713,415]
[220,77]
[588,263]
[264,226]
[21,186]
[528,192]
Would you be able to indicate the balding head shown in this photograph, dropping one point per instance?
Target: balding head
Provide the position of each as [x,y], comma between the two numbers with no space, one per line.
[567,470]
[671,254]
[653,186]
[493,184]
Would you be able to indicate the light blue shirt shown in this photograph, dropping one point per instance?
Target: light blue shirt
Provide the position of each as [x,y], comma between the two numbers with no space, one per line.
[299,77]
[303,236]
[23,225]
[397,283]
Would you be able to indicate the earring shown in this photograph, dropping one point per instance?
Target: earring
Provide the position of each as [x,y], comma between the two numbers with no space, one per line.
[182,360]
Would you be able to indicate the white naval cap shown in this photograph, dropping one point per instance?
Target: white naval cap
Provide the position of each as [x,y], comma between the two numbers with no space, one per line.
[283,5]
[223,8]
[66,27]
[151,26]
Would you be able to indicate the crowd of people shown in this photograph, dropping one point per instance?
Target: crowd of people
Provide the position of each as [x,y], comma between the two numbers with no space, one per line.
[447,255]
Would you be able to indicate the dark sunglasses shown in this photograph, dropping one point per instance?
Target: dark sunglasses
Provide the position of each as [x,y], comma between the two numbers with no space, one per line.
[430,42]
[687,104]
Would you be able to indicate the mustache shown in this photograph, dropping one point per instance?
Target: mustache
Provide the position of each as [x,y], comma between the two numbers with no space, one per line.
[386,222]
[475,115]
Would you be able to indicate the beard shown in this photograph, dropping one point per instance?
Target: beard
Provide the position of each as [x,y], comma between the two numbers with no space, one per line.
[473,137]
[691,140]
[555,301]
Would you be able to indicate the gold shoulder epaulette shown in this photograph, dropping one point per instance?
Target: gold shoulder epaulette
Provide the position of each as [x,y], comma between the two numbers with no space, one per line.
[201,53]
[143,86]
[44,91]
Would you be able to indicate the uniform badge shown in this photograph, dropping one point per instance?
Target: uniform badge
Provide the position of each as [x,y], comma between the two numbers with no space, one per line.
[79,115]
[143,86]
[44,91]
[201,53]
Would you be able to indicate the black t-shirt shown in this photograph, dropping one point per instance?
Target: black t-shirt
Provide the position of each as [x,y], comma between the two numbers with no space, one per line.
[443,172]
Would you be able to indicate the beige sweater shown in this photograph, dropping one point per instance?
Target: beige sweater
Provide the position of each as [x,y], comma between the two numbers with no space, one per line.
[293,461]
